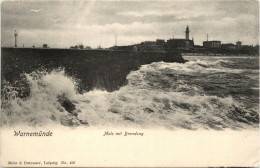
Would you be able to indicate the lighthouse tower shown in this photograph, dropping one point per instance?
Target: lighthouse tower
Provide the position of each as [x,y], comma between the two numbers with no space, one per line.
[15,36]
[187,33]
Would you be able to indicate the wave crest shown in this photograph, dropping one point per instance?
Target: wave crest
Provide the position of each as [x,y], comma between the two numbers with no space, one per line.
[156,95]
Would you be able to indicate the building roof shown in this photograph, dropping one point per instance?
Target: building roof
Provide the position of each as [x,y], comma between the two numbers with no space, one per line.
[178,40]
[212,41]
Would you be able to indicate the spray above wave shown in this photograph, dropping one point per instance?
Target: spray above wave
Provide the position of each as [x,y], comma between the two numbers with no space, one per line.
[158,94]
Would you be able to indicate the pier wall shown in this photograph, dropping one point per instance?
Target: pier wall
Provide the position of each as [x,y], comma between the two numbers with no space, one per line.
[103,69]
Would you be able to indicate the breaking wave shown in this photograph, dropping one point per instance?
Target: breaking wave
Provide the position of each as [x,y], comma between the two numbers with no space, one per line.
[159,94]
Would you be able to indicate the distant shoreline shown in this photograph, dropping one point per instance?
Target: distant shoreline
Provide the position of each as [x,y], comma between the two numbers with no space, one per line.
[218,55]
[106,49]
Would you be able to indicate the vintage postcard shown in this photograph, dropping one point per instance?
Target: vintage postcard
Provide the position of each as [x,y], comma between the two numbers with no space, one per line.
[129,83]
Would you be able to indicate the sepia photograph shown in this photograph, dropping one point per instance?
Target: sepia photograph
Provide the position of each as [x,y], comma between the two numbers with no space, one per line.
[129,83]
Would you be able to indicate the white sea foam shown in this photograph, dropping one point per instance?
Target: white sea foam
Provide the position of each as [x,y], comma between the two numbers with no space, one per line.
[143,102]
[199,66]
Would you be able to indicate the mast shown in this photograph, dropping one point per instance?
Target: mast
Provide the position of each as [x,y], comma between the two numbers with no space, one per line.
[15,38]
[116,40]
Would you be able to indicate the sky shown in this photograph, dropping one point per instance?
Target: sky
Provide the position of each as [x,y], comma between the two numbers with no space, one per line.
[62,24]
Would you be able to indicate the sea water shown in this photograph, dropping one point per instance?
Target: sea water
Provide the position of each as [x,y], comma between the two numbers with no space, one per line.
[206,92]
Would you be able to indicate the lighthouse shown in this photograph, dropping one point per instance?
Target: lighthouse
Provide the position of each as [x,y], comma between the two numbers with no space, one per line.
[187,33]
[15,38]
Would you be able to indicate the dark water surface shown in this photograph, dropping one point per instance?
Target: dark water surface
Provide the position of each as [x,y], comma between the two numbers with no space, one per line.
[234,76]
